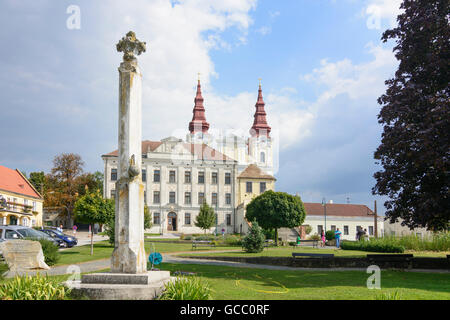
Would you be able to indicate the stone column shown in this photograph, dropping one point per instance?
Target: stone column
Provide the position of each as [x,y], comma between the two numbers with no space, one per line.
[129,254]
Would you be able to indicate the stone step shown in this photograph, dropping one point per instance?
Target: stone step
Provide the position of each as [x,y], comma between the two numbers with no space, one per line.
[122,278]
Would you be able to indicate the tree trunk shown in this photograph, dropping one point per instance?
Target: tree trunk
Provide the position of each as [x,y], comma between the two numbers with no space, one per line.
[276,237]
[92,239]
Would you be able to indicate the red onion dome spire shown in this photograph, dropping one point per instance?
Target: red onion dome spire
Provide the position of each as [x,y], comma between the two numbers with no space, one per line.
[198,123]
[260,126]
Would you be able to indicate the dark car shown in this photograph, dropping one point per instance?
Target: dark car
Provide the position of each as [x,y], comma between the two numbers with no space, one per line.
[68,241]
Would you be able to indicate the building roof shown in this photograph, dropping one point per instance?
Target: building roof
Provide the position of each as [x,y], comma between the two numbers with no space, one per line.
[255,172]
[201,151]
[335,209]
[14,181]
[147,146]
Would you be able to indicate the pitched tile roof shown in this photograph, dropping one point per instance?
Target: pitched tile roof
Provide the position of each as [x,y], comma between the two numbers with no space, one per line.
[255,172]
[13,181]
[201,151]
[335,209]
[147,145]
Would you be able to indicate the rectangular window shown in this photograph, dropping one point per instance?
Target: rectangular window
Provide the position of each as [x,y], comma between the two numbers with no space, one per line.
[214,178]
[171,197]
[113,194]
[333,228]
[187,198]
[319,229]
[201,177]
[156,175]
[187,177]
[371,230]
[345,230]
[144,175]
[156,198]
[156,218]
[172,176]
[228,198]
[228,219]
[227,178]
[34,206]
[248,187]
[214,198]
[113,174]
[358,228]
[262,187]
[187,218]
[201,197]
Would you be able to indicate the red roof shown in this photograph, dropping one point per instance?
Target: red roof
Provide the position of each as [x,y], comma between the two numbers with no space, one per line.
[13,181]
[335,209]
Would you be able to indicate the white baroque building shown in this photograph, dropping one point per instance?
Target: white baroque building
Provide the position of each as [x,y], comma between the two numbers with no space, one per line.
[179,175]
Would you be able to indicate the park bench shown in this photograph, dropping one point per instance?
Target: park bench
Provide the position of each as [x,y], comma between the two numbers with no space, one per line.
[313,255]
[269,243]
[315,243]
[202,243]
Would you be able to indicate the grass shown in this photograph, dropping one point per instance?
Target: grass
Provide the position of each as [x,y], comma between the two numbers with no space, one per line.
[287,252]
[230,283]
[103,250]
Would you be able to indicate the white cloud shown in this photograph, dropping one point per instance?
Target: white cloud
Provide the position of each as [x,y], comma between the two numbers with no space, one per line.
[379,10]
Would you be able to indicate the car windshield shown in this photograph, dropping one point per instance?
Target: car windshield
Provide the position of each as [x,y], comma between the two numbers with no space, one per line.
[31,233]
[59,233]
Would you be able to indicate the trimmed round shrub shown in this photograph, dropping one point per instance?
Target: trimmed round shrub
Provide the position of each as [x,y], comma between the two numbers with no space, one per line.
[329,235]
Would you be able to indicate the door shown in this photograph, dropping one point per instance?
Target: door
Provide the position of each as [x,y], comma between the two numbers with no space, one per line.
[172,221]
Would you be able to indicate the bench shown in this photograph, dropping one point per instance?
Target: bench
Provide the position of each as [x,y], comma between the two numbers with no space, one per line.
[313,255]
[269,243]
[203,243]
[315,243]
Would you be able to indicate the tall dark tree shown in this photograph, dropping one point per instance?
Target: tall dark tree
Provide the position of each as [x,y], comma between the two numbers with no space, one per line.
[415,115]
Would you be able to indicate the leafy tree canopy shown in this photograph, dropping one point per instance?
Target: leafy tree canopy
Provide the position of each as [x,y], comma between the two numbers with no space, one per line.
[206,218]
[415,148]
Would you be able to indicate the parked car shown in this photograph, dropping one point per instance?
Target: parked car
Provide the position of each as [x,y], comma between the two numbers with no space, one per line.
[69,241]
[14,232]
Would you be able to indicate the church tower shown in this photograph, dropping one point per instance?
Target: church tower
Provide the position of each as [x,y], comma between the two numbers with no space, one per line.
[198,127]
[260,143]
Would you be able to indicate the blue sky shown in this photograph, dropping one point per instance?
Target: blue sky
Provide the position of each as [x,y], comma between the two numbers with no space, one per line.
[321,62]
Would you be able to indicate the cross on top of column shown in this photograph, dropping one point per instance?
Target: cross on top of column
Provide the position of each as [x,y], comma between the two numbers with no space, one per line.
[130,46]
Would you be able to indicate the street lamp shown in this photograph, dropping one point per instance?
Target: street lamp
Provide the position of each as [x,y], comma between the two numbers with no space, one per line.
[324,204]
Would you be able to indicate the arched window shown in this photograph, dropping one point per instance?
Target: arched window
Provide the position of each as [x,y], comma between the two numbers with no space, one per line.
[262,157]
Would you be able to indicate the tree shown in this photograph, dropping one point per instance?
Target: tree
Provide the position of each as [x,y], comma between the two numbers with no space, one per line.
[414,150]
[38,180]
[254,240]
[273,210]
[93,208]
[206,218]
[147,218]
[65,182]
[110,224]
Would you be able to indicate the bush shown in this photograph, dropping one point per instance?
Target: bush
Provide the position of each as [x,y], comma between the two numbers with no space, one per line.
[33,288]
[329,235]
[109,230]
[49,249]
[269,234]
[186,288]
[254,241]
[233,240]
[372,246]
[3,269]
[308,229]
[315,237]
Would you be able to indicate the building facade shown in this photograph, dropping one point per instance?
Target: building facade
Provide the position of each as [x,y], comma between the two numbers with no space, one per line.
[20,202]
[179,175]
[347,217]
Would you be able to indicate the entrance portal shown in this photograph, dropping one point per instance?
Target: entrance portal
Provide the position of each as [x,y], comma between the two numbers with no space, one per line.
[172,221]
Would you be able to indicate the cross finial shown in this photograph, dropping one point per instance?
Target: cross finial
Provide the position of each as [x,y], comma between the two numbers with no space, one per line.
[199,76]
[259,79]
[130,46]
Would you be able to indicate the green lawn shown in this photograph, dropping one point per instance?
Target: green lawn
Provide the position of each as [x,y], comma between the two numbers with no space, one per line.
[287,252]
[103,250]
[229,283]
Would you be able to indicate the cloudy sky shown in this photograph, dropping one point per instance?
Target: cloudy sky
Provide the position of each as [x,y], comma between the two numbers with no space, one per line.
[321,62]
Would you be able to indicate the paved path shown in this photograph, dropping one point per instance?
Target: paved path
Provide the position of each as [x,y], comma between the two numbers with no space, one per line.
[96,265]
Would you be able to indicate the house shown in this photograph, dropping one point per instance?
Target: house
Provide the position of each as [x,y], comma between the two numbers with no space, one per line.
[20,202]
